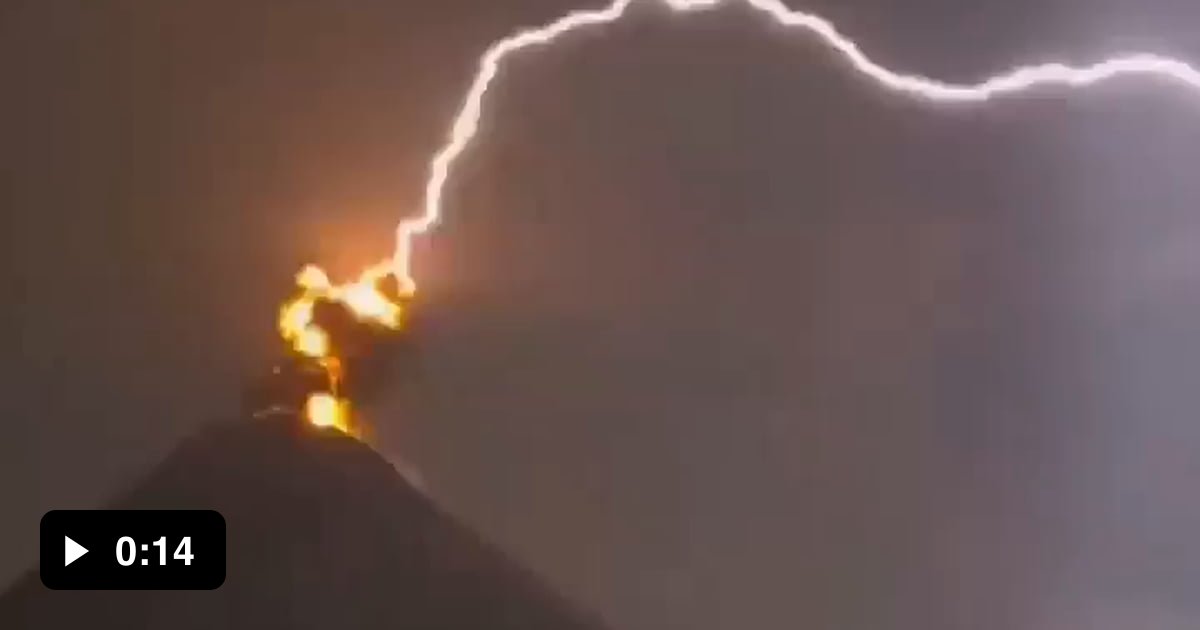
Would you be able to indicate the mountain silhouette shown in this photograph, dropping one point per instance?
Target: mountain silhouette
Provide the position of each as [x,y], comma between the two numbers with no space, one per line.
[322,533]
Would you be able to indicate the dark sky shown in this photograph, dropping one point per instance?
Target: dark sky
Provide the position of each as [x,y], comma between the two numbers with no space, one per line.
[717,335]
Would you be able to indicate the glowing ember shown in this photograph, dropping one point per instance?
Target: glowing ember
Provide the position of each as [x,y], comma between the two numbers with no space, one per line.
[326,410]
[312,342]
[364,298]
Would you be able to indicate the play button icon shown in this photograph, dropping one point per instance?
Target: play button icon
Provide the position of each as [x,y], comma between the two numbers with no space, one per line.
[130,550]
[72,551]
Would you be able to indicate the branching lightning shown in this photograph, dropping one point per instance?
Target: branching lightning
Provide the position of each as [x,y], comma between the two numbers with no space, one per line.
[466,123]
[308,339]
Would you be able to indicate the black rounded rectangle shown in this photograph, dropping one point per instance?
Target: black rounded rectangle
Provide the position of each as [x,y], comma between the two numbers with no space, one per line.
[133,549]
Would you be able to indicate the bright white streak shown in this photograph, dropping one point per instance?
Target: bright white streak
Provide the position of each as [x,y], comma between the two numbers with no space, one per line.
[466,123]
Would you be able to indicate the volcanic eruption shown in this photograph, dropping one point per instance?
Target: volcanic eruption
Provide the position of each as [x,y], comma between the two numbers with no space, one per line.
[337,340]
[322,531]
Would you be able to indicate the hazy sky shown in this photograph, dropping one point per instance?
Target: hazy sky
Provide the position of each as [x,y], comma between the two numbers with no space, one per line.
[716,335]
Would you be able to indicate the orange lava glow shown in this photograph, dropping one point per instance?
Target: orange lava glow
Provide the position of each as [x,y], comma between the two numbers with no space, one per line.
[326,410]
[365,299]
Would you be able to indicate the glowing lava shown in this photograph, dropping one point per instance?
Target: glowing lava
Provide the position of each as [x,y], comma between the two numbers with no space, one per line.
[327,410]
[297,323]
[363,297]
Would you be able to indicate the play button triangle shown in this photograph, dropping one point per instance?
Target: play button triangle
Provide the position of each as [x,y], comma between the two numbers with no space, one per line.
[73,551]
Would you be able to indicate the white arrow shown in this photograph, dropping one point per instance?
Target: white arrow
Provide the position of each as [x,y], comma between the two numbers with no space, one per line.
[73,551]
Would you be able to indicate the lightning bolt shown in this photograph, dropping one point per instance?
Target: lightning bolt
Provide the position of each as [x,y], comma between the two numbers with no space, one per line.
[466,124]
[365,296]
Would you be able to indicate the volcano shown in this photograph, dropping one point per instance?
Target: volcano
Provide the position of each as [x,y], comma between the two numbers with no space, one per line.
[322,533]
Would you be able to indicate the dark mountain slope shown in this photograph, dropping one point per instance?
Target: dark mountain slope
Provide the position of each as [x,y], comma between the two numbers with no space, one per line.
[322,533]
